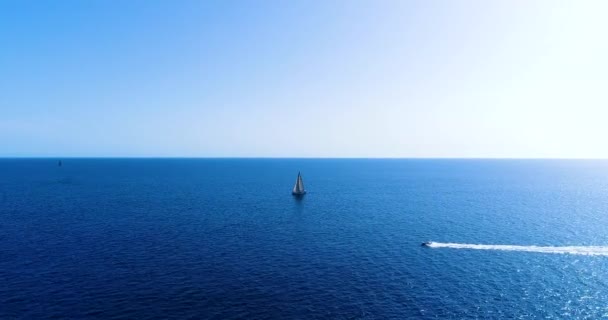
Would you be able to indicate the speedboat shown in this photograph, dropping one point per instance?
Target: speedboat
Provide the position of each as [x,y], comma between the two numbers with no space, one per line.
[427,243]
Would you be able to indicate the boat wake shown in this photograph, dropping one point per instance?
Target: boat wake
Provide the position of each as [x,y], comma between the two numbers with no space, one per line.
[580,250]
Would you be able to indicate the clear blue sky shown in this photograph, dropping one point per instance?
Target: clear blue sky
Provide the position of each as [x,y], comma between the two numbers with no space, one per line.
[304,78]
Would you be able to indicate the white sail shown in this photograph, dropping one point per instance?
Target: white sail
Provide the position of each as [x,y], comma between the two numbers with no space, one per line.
[300,183]
[298,188]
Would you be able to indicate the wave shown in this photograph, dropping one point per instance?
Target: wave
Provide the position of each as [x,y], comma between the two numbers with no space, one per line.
[580,250]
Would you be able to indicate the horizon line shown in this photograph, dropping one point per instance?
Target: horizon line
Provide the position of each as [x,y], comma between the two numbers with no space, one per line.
[303,158]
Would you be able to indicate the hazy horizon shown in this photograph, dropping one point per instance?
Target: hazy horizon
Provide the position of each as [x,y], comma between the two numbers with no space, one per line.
[304,79]
[59,157]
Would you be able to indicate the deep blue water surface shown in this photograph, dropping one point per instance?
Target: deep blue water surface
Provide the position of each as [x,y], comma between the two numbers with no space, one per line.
[224,239]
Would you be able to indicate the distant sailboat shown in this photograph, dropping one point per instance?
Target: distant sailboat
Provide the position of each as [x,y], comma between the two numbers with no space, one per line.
[298,188]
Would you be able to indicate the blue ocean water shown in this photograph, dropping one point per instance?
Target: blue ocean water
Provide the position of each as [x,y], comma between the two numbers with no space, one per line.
[224,239]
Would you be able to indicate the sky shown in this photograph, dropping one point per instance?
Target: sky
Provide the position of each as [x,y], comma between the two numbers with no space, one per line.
[304,78]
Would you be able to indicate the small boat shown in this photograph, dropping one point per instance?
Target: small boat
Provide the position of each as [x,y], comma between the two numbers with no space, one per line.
[59,164]
[427,243]
[298,188]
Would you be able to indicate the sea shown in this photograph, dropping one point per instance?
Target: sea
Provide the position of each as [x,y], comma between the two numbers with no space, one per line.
[225,239]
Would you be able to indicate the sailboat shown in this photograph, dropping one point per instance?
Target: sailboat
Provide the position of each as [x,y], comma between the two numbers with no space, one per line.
[298,188]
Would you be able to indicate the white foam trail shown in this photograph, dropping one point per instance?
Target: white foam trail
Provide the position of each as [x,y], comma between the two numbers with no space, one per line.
[580,250]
